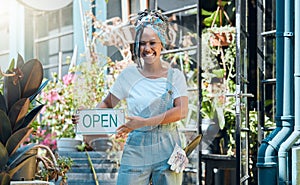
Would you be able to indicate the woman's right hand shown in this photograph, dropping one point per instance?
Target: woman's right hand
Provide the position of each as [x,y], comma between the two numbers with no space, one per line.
[75,118]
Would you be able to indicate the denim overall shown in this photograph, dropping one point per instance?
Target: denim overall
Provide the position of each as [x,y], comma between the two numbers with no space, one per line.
[148,149]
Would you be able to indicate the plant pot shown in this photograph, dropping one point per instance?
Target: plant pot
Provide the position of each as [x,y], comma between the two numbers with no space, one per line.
[68,144]
[27,172]
[220,39]
[101,144]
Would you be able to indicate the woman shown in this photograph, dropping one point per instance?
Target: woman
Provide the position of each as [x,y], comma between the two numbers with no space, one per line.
[156,97]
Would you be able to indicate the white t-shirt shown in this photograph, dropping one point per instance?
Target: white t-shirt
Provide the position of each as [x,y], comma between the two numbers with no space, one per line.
[140,91]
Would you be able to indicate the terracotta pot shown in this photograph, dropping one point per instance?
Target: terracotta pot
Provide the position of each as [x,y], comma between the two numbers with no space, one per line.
[220,39]
[27,172]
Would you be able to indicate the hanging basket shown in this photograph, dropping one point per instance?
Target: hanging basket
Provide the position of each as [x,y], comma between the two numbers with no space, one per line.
[220,39]
[221,35]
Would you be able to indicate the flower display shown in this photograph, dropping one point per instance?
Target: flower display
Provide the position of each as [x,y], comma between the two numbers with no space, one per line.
[84,86]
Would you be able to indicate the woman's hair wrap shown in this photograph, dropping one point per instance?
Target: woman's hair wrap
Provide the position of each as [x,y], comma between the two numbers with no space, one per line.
[154,20]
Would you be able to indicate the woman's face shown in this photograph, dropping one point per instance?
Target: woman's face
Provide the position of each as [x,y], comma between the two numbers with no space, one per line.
[150,46]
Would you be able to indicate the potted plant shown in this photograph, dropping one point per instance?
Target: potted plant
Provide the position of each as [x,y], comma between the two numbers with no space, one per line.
[218,74]
[20,87]
[54,169]
[82,86]
[220,35]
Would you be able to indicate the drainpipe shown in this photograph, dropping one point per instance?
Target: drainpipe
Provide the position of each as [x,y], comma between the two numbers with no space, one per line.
[267,161]
[283,154]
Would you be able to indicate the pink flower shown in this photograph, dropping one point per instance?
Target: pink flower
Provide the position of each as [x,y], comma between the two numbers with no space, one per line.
[52,96]
[68,78]
[50,140]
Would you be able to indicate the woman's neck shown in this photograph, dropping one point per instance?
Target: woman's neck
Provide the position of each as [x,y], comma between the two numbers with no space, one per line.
[151,71]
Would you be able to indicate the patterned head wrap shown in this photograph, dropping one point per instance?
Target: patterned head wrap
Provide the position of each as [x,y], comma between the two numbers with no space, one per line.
[154,20]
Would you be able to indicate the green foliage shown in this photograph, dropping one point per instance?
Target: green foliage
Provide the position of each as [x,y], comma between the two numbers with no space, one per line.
[218,75]
[83,87]
[52,171]
[212,19]
[20,86]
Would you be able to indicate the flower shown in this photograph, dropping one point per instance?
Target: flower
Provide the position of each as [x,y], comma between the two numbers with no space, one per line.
[69,78]
[51,96]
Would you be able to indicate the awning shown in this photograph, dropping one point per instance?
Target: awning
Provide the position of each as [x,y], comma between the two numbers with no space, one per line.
[45,5]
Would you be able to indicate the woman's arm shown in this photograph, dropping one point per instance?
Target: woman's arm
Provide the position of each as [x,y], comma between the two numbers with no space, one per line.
[178,112]
[110,101]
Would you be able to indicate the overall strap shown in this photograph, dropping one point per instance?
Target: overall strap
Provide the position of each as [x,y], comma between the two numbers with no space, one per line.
[167,97]
[169,80]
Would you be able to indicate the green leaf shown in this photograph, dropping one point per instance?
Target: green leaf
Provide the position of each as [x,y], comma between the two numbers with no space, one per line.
[205,12]
[4,178]
[5,127]
[33,76]
[218,72]
[20,61]
[21,154]
[12,92]
[3,156]
[32,97]
[17,139]
[18,167]
[209,20]
[18,111]
[11,66]
[28,118]
[3,106]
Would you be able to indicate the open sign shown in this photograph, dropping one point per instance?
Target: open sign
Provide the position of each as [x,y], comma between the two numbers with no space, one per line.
[99,121]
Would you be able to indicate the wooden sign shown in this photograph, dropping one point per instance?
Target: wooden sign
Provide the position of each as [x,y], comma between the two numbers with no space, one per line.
[99,121]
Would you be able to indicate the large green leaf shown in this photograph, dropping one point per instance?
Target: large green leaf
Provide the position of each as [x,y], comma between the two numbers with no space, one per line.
[3,105]
[32,97]
[20,61]
[4,178]
[21,154]
[5,127]
[33,76]
[17,139]
[28,118]
[18,111]
[12,91]
[3,157]
[18,167]
[11,66]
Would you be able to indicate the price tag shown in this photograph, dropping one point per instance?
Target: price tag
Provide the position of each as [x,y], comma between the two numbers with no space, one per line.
[99,121]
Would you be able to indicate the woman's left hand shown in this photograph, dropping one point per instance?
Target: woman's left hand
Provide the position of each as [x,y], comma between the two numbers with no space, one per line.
[133,123]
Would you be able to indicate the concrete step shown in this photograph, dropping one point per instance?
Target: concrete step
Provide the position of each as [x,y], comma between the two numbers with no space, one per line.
[106,168]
